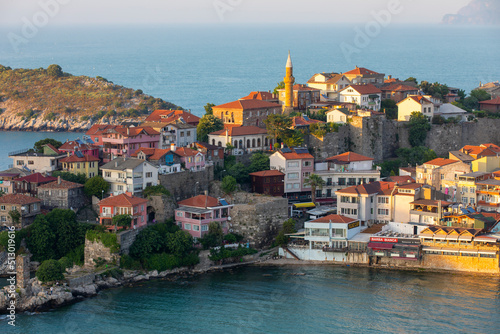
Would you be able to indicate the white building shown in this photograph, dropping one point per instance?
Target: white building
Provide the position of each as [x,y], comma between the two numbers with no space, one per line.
[366,96]
[449,110]
[329,84]
[337,116]
[129,175]
[245,139]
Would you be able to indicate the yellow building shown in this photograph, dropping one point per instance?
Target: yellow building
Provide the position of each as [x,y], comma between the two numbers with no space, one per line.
[81,164]
[413,103]
[289,81]
[486,164]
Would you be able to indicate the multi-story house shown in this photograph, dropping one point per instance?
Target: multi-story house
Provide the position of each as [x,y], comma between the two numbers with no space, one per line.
[7,178]
[464,190]
[129,175]
[196,213]
[27,206]
[35,162]
[329,84]
[415,103]
[244,139]
[397,92]
[124,141]
[366,96]
[481,151]
[85,146]
[167,163]
[361,75]
[177,132]
[213,153]
[342,171]
[488,195]
[492,105]
[124,204]
[29,184]
[441,173]
[62,194]
[171,116]
[297,164]
[338,115]
[97,131]
[246,112]
[192,160]
[303,96]
[268,182]
[80,163]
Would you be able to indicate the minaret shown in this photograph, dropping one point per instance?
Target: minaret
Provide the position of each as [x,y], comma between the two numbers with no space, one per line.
[289,81]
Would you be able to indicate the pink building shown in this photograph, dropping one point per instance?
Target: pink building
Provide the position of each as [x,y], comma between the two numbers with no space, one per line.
[193,160]
[84,145]
[195,213]
[97,131]
[123,204]
[124,141]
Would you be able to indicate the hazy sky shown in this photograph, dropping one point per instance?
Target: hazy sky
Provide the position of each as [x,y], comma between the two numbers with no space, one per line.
[12,12]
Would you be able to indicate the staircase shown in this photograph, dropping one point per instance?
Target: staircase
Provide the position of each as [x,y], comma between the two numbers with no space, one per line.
[291,253]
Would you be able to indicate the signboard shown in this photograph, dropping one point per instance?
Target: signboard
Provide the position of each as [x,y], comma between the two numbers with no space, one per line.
[353,225]
[381,239]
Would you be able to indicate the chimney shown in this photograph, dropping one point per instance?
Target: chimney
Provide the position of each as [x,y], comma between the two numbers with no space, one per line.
[282,145]
[172,147]
[128,131]
[389,77]
[59,179]
[116,164]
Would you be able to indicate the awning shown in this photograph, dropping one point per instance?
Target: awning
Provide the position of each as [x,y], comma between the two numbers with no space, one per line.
[468,251]
[379,245]
[465,238]
[487,252]
[452,237]
[440,237]
[449,250]
[305,205]
[486,239]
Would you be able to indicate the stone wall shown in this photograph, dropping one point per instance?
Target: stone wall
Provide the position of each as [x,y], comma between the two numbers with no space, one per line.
[187,184]
[95,250]
[461,263]
[126,239]
[163,207]
[22,271]
[81,280]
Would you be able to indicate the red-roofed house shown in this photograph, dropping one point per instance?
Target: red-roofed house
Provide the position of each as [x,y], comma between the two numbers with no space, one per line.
[97,131]
[193,160]
[213,153]
[166,160]
[124,141]
[480,151]
[26,205]
[367,96]
[171,116]
[123,204]
[329,84]
[36,162]
[246,112]
[62,194]
[297,164]
[490,105]
[264,96]
[81,164]
[303,122]
[82,146]
[268,182]
[196,213]
[414,103]
[441,173]
[245,139]
[29,184]
[361,75]
[398,92]
[303,96]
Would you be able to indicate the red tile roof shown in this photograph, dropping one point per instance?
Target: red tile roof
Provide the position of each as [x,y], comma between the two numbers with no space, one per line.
[339,219]
[36,178]
[401,179]
[186,152]
[248,105]
[258,96]
[19,199]
[169,116]
[70,146]
[99,129]
[200,201]
[240,131]
[301,121]
[331,78]
[378,187]
[364,89]
[299,87]
[398,88]
[294,155]
[153,154]
[348,157]
[136,130]
[272,172]
[122,200]
[63,185]
[495,101]
[440,162]
[85,158]
[483,150]
[418,98]
[361,71]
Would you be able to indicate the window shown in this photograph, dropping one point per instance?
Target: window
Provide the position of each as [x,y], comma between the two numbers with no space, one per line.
[204,227]
[78,165]
[293,176]
[442,176]
[187,226]
[107,174]
[292,164]
[20,163]
[306,174]
[119,187]
[2,207]
[341,181]
[182,133]
[196,227]
[296,186]
[142,207]
[472,200]
[4,219]
[307,164]
[31,162]
[383,200]
[384,212]
[188,133]
[465,200]
[149,174]
[178,214]
[289,186]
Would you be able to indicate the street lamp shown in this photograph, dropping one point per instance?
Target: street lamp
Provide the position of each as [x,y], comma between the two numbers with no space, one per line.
[102,196]
[196,187]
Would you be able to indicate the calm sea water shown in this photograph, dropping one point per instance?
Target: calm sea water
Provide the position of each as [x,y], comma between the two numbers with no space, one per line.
[325,300]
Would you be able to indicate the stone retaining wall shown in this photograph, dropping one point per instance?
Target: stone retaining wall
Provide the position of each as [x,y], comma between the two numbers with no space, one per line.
[96,250]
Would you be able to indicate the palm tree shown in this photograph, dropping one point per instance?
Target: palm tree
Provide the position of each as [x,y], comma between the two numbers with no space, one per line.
[315,181]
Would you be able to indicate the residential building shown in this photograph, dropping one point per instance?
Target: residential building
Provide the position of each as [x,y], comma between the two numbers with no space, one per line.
[464,190]
[486,164]
[361,75]
[29,184]
[366,96]
[129,175]
[492,88]
[97,131]
[62,194]
[408,171]
[7,178]
[264,96]
[459,155]
[124,141]
[123,204]
[213,153]
[35,162]
[329,84]
[338,115]
[171,116]
[303,96]
[428,211]
[488,194]
[297,164]
[449,110]
[397,92]
[492,105]
[414,103]
[167,163]
[178,132]
[303,122]
[244,139]
[85,146]
[27,206]
[441,173]
[80,163]
[245,112]
[452,95]
[342,171]
[480,151]
[193,160]
[268,182]
[196,213]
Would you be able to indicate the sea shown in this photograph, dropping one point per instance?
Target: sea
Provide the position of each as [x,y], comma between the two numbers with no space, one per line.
[191,65]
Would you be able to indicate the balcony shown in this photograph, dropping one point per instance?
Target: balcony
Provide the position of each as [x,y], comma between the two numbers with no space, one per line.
[337,250]
[424,213]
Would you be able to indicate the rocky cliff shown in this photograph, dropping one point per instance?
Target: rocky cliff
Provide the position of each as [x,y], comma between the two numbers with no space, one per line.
[477,12]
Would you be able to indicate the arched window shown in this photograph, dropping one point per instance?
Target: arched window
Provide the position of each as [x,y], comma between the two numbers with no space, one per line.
[248,143]
[266,142]
[235,144]
[219,144]
[241,143]
[253,142]
[213,142]
[258,142]
[257,123]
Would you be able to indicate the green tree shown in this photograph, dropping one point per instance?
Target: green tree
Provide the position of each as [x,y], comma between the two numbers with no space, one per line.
[80,178]
[42,240]
[259,161]
[280,85]
[96,186]
[288,228]
[148,241]
[228,185]
[293,138]
[472,102]
[412,79]
[155,190]
[179,243]
[208,109]
[121,220]
[316,182]
[240,172]
[208,124]
[418,128]
[276,125]
[39,144]
[214,237]
[50,270]
[15,216]
[69,233]
[414,156]
[390,108]
[55,71]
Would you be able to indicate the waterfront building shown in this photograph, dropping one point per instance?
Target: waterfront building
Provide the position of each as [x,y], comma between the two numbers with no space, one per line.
[80,163]
[129,175]
[364,76]
[268,182]
[245,112]
[415,103]
[38,162]
[124,141]
[97,131]
[297,164]
[26,205]
[397,92]
[441,173]
[85,146]
[396,242]
[244,139]
[196,213]
[62,194]
[29,184]
[329,84]
[303,96]
[366,96]
[428,211]
[123,204]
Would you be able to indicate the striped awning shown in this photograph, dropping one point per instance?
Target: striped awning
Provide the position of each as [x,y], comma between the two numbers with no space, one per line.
[305,205]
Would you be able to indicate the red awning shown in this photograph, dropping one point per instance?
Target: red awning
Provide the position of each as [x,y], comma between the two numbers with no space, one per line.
[379,245]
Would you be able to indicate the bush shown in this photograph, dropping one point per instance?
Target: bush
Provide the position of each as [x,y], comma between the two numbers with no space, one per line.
[155,190]
[65,263]
[161,262]
[225,253]
[50,270]
[127,262]
[107,239]
[114,272]
[191,259]
[77,255]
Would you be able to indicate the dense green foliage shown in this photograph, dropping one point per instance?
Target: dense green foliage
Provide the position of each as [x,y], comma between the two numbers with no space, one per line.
[208,108]
[412,79]
[155,190]
[390,108]
[279,85]
[65,262]
[106,238]
[277,125]
[55,71]
[228,185]
[122,220]
[222,253]
[50,270]
[19,236]
[96,186]
[406,157]
[15,216]
[38,146]
[208,124]
[288,228]
[214,237]
[418,128]
[436,89]
[76,178]
[321,129]
[259,161]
